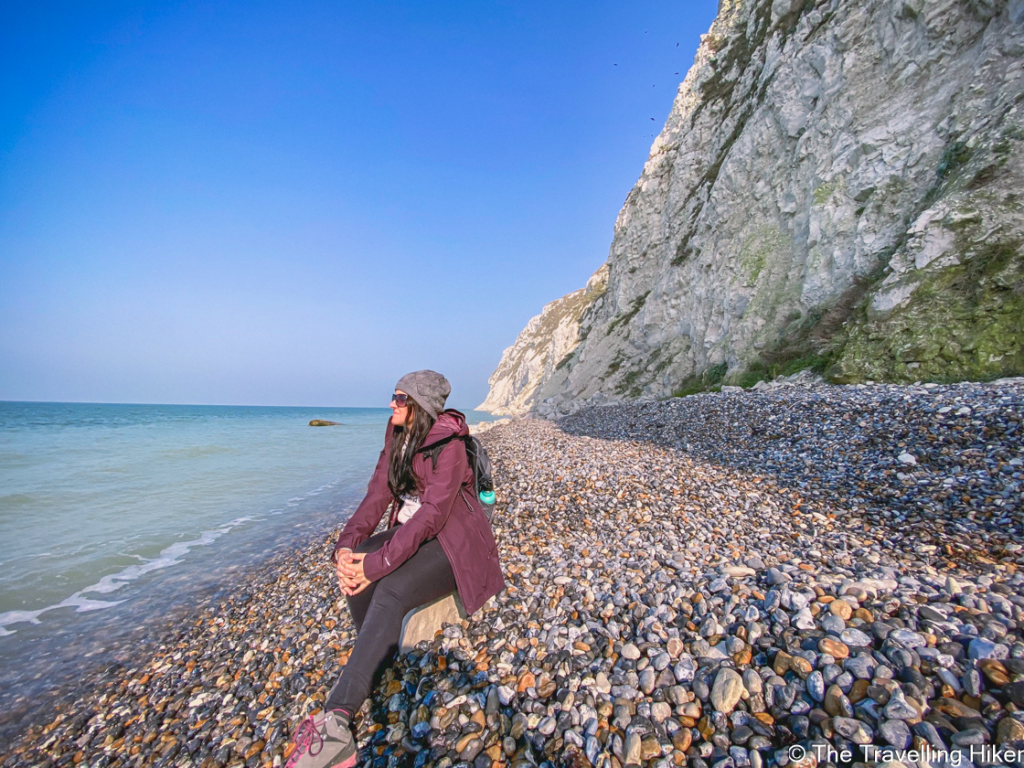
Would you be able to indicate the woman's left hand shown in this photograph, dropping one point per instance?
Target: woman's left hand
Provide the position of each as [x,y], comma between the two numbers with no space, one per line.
[350,572]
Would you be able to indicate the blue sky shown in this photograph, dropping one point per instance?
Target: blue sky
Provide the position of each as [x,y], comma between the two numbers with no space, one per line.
[296,203]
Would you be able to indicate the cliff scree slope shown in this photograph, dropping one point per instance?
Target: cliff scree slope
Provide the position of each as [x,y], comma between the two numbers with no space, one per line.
[838,186]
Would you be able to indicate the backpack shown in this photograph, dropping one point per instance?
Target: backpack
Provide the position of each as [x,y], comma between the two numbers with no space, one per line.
[479,462]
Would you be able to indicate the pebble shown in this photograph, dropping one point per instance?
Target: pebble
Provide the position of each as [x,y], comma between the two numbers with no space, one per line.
[631,752]
[727,691]
[693,582]
[896,733]
[855,638]
[855,730]
[899,709]
[1009,730]
[980,648]
[834,648]
[842,609]
[861,666]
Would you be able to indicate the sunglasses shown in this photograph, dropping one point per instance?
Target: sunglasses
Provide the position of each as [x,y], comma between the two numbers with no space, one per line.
[400,400]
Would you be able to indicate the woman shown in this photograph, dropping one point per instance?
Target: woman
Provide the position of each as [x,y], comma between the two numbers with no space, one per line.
[438,540]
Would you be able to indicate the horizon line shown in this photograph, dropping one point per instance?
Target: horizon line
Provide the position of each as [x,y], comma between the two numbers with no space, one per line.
[209,405]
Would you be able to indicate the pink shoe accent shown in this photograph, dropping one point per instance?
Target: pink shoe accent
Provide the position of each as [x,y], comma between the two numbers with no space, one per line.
[307,739]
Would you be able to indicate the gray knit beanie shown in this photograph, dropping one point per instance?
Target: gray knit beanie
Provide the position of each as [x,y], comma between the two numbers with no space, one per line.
[428,388]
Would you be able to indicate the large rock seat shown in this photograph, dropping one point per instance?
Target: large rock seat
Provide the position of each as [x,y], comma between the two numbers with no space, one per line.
[426,621]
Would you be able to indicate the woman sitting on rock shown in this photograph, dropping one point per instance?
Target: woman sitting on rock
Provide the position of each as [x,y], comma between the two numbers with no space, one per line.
[438,540]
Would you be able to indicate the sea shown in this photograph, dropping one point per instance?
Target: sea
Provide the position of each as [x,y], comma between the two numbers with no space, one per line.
[114,517]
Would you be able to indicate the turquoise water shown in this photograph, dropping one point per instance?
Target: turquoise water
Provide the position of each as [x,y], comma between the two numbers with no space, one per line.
[96,497]
[110,512]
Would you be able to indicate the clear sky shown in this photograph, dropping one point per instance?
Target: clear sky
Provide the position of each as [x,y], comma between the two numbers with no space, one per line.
[296,203]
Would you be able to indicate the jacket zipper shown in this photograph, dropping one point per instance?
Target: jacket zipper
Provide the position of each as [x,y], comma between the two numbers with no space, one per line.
[448,554]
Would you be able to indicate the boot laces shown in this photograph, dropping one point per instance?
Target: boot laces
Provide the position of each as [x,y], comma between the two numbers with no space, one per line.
[307,739]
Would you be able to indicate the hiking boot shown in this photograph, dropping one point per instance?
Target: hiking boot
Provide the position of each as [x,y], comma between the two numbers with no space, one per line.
[324,742]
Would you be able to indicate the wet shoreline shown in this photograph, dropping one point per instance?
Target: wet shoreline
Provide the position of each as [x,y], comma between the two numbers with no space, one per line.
[65,654]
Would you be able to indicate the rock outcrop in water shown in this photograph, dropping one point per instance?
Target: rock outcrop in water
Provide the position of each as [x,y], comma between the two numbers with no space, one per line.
[837,186]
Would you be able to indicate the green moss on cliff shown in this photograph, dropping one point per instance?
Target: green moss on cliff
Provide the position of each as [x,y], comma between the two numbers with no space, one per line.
[824,191]
[954,158]
[565,360]
[963,322]
[642,373]
[630,384]
[706,380]
[758,249]
[736,52]
[625,317]
[761,371]
[764,261]
[614,365]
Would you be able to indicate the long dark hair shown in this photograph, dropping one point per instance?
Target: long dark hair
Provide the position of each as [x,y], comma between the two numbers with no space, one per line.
[401,480]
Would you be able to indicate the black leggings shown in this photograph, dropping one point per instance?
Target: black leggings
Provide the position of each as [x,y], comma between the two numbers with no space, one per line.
[378,612]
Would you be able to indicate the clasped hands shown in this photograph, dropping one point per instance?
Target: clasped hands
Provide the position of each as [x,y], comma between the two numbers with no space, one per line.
[349,567]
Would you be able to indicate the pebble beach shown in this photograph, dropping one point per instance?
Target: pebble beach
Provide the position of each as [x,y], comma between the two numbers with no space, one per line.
[799,575]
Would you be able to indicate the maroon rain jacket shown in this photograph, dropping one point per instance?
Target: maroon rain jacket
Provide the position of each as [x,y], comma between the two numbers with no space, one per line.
[449,511]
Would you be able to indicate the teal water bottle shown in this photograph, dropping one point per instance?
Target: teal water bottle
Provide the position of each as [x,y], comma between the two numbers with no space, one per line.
[487,497]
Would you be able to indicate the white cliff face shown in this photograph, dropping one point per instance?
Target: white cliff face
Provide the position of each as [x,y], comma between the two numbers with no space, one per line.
[822,162]
[539,348]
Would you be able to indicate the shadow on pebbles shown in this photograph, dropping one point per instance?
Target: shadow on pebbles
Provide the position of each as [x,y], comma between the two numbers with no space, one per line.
[793,577]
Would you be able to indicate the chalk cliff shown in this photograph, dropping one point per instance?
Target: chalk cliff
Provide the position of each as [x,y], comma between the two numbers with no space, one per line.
[838,186]
[539,348]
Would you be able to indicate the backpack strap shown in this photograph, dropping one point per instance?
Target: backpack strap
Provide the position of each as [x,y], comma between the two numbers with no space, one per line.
[434,449]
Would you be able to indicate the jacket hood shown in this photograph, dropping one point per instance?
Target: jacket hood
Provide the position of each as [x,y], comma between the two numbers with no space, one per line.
[448,424]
